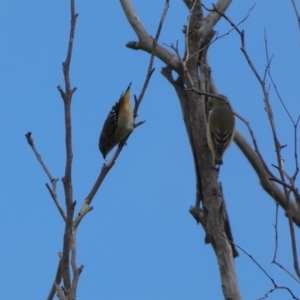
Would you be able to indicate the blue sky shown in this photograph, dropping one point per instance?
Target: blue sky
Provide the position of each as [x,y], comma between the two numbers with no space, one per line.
[139,242]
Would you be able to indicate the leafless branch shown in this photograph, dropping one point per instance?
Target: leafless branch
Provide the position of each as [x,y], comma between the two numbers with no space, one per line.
[285,270]
[295,123]
[55,287]
[68,242]
[276,233]
[150,67]
[53,181]
[274,261]
[76,271]
[67,179]
[296,151]
[282,173]
[230,30]
[254,143]
[55,199]
[139,123]
[270,187]
[212,18]
[278,288]
[271,78]
[60,294]
[145,40]
[38,156]
[296,12]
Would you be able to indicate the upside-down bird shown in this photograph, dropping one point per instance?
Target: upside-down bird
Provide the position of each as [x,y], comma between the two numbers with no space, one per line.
[118,124]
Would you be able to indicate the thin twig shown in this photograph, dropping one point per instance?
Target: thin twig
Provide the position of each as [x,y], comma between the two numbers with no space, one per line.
[250,256]
[282,172]
[38,156]
[278,288]
[295,124]
[276,233]
[271,78]
[139,123]
[230,30]
[296,12]
[76,271]
[296,151]
[276,247]
[55,199]
[261,268]
[53,181]
[55,287]
[150,67]
[287,271]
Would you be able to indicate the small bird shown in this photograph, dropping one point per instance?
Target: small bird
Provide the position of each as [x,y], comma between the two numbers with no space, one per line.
[220,127]
[118,124]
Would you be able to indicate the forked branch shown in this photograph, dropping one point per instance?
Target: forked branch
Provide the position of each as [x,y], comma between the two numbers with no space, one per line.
[53,181]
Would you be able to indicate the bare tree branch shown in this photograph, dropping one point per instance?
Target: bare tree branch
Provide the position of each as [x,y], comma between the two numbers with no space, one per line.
[55,199]
[53,181]
[275,285]
[38,156]
[69,235]
[295,123]
[153,51]
[145,40]
[270,187]
[274,260]
[296,12]
[60,294]
[76,271]
[279,288]
[55,287]
[67,179]
[212,18]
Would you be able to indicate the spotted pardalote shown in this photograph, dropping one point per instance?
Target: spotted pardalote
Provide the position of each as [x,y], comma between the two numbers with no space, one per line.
[220,126]
[118,124]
